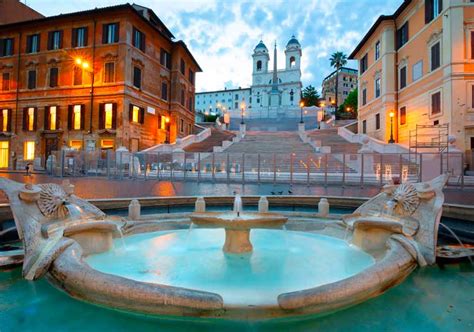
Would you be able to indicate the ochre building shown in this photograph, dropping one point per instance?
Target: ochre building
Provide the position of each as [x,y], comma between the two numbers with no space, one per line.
[97,79]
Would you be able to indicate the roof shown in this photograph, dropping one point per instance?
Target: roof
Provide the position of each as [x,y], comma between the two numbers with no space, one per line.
[165,32]
[293,40]
[183,45]
[261,45]
[347,69]
[374,27]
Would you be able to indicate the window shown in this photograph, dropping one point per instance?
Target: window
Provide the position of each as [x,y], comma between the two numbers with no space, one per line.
[108,116]
[51,118]
[181,126]
[183,67]
[33,43]
[190,129]
[435,56]
[110,33]
[137,77]
[472,44]
[377,50]
[109,72]
[363,64]
[292,62]
[29,119]
[32,79]
[436,123]
[402,35]
[138,39]
[377,121]
[75,144]
[377,88]
[5,81]
[6,47]
[403,115]
[77,80]
[237,97]
[53,77]
[364,127]
[436,103]
[417,70]
[79,37]
[107,144]
[191,76]
[236,105]
[165,59]
[6,120]
[137,114]
[472,97]
[29,150]
[162,121]
[182,96]
[76,117]
[55,40]
[164,90]
[403,77]
[432,9]
[259,65]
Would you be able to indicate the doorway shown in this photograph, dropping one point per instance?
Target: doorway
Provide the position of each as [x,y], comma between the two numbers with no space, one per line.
[51,144]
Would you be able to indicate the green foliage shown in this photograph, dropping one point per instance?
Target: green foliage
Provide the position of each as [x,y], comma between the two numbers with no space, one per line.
[348,110]
[311,96]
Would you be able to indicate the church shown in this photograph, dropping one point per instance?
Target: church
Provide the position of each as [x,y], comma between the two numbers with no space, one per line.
[273,93]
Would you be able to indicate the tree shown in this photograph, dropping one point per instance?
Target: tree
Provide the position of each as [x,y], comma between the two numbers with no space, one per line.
[338,60]
[310,96]
[348,110]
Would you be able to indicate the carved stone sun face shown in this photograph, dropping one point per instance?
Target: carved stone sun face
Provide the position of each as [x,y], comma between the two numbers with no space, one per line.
[52,201]
[406,199]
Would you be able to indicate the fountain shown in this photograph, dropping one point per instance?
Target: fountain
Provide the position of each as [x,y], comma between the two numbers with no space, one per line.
[321,265]
[238,225]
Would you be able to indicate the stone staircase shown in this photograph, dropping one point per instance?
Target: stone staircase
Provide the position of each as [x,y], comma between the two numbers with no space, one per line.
[330,137]
[215,139]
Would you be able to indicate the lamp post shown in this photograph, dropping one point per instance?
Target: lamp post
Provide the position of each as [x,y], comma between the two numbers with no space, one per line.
[323,113]
[391,140]
[242,111]
[85,66]
[301,111]
[168,133]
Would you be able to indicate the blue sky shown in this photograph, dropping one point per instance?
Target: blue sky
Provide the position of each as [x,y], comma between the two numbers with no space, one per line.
[222,33]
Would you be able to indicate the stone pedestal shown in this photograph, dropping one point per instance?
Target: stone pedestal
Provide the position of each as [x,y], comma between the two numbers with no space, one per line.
[134,210]
[200,205]
[301,127]
[323,207]
[242,130]
[263,205]
[237,241]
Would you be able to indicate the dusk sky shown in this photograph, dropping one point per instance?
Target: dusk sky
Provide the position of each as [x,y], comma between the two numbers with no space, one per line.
[222,34]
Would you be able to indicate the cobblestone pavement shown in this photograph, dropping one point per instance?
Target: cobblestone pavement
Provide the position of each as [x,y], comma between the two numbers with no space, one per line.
[92,187]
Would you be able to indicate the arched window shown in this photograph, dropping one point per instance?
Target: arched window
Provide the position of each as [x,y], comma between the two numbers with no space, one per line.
[292,62]
[259,65]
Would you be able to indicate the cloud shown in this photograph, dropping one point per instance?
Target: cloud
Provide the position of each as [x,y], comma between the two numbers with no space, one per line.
[221,34]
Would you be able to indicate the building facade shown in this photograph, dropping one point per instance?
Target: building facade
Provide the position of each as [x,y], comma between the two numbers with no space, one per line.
[273,94]
[418,65]
[96,79]
[347,82]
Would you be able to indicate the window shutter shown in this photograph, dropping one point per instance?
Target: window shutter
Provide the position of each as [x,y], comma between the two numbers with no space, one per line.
[50,40]
[134,39]
[61,39]
[143,44]
[2,47]
[25,125]
[47,125]
[70,119]
[9,124]
[101,116]
[86,32]
[28,44]
[83,116]
[130,112]
[1,121]
[142,115]
[104,33]
[117,32]
[35,120]
[13,46]
[428,10]
[472,44]
[114,116]
[58,117]
[440,6]
[39,42]
[74,37]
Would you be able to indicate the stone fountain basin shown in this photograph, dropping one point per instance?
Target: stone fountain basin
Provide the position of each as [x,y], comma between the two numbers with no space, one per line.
[245,221]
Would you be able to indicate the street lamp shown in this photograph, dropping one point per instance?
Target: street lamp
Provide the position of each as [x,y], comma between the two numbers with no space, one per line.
[85,66]
[168,133]
[242,111]
[301,111]
[391,140]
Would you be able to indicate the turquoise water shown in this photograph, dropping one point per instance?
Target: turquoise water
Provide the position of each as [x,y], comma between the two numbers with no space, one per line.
[281,262]
[430,299]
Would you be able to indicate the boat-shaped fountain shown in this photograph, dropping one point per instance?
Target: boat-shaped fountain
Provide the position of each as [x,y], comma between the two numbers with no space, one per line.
[234,264]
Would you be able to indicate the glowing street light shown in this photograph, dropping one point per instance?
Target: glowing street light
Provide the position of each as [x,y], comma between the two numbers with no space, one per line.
[301,111]
[242,111]
[391,140]
[85,65]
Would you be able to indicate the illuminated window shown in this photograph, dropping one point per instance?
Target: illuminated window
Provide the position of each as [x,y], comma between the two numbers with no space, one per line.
[135,114]
[108,115]
[76,117]
[29,153]
[31,119]
[5,120]
[75,144]
[164,120]
[53,117]
[4,154]
[107,144]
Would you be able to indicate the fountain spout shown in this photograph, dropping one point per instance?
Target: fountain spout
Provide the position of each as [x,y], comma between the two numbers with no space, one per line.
[238,205]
